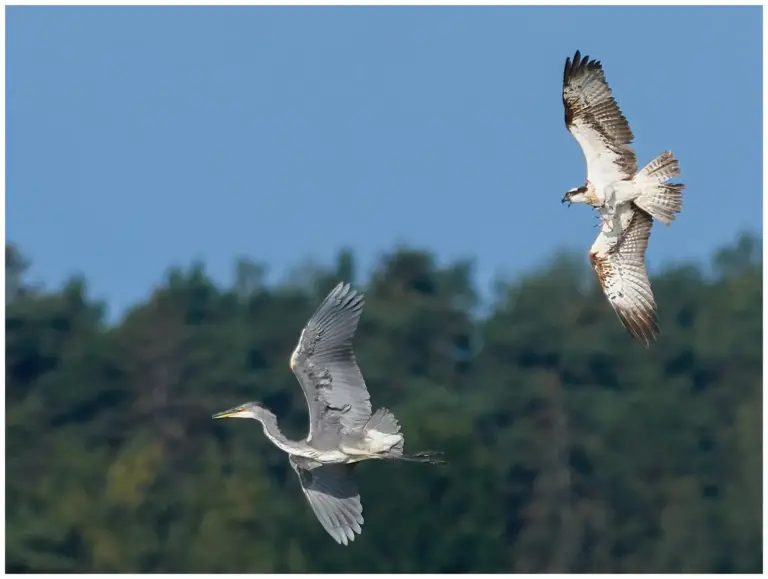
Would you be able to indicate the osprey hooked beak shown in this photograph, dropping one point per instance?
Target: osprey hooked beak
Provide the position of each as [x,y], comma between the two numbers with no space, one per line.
[571,193]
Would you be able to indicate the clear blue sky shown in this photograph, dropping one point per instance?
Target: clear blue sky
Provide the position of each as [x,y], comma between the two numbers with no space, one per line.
[140,138]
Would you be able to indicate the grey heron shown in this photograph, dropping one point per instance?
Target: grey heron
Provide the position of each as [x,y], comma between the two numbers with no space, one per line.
[342,429]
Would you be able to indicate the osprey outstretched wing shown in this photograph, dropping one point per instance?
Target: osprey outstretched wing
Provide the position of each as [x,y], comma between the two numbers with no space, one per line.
[620,268]
[598,125]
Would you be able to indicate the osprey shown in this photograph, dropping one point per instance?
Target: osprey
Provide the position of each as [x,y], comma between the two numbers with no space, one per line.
[618,256]
[598,125]
[628,201]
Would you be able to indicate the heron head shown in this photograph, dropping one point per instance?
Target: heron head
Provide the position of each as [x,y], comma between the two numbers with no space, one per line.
[576,195]
[247,410]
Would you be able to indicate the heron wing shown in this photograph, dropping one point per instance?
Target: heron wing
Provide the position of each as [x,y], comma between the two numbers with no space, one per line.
[622,274]
[332,493]
[324,363]
[596,122]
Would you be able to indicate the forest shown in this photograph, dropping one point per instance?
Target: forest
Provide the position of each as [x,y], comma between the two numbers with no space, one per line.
[571,447]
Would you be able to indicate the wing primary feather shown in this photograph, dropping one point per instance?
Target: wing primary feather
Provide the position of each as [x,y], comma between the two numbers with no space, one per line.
[595,120]
[623,276]
[325,365]
[332,493]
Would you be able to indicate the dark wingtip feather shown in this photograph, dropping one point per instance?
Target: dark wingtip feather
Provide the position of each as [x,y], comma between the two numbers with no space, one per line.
[571,66]
[574,68]
[567,69]
[644,331]
[578,65]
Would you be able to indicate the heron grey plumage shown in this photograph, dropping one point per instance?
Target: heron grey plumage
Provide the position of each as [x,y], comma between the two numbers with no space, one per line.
[342,429]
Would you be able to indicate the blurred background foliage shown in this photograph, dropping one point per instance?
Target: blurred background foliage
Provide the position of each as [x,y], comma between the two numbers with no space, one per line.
[572,448]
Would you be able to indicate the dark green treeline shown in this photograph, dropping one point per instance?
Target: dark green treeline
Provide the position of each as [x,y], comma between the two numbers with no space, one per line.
[572,447]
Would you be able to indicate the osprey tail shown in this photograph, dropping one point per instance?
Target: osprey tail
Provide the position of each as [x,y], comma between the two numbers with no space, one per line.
[660,199]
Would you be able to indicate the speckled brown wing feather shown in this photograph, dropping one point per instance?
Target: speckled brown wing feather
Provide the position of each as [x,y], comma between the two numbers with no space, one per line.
[624,278]
[596,122]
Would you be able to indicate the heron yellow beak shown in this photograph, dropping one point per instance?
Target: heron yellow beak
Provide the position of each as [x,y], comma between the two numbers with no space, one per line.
[231,413]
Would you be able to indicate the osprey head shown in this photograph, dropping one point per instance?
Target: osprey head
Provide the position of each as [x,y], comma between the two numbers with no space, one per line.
[577,195]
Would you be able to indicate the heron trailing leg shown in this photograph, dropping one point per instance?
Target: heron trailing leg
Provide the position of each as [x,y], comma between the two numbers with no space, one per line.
[428,456]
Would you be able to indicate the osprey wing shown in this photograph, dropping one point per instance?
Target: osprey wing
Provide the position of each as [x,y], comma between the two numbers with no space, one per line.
[596,122]
[622,274]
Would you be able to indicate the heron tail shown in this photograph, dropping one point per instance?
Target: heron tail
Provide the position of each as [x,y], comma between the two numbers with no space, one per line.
[384,422]
[661,200]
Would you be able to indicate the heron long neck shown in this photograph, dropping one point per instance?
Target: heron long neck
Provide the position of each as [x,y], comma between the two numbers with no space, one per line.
[272,431]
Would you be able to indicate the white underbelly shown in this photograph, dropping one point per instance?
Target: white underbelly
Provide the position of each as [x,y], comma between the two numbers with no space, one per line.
[372,445]
[353,454]
[625,191]
[331,456]
[376,441]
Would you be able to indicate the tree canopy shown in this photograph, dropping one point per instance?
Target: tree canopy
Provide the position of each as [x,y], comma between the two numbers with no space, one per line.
[572,448]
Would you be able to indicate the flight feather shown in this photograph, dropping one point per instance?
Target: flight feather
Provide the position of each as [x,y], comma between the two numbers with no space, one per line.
[324,363]
[621,271]
[596,122]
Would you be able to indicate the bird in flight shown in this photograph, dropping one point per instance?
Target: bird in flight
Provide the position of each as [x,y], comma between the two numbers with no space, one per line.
[603,133]
[627,200]
[342,429]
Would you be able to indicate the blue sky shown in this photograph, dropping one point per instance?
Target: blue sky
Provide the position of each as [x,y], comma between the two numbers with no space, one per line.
[141,137]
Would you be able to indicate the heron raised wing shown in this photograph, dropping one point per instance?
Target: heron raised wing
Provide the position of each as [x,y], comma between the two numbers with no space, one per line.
[325,366]
[342,430]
